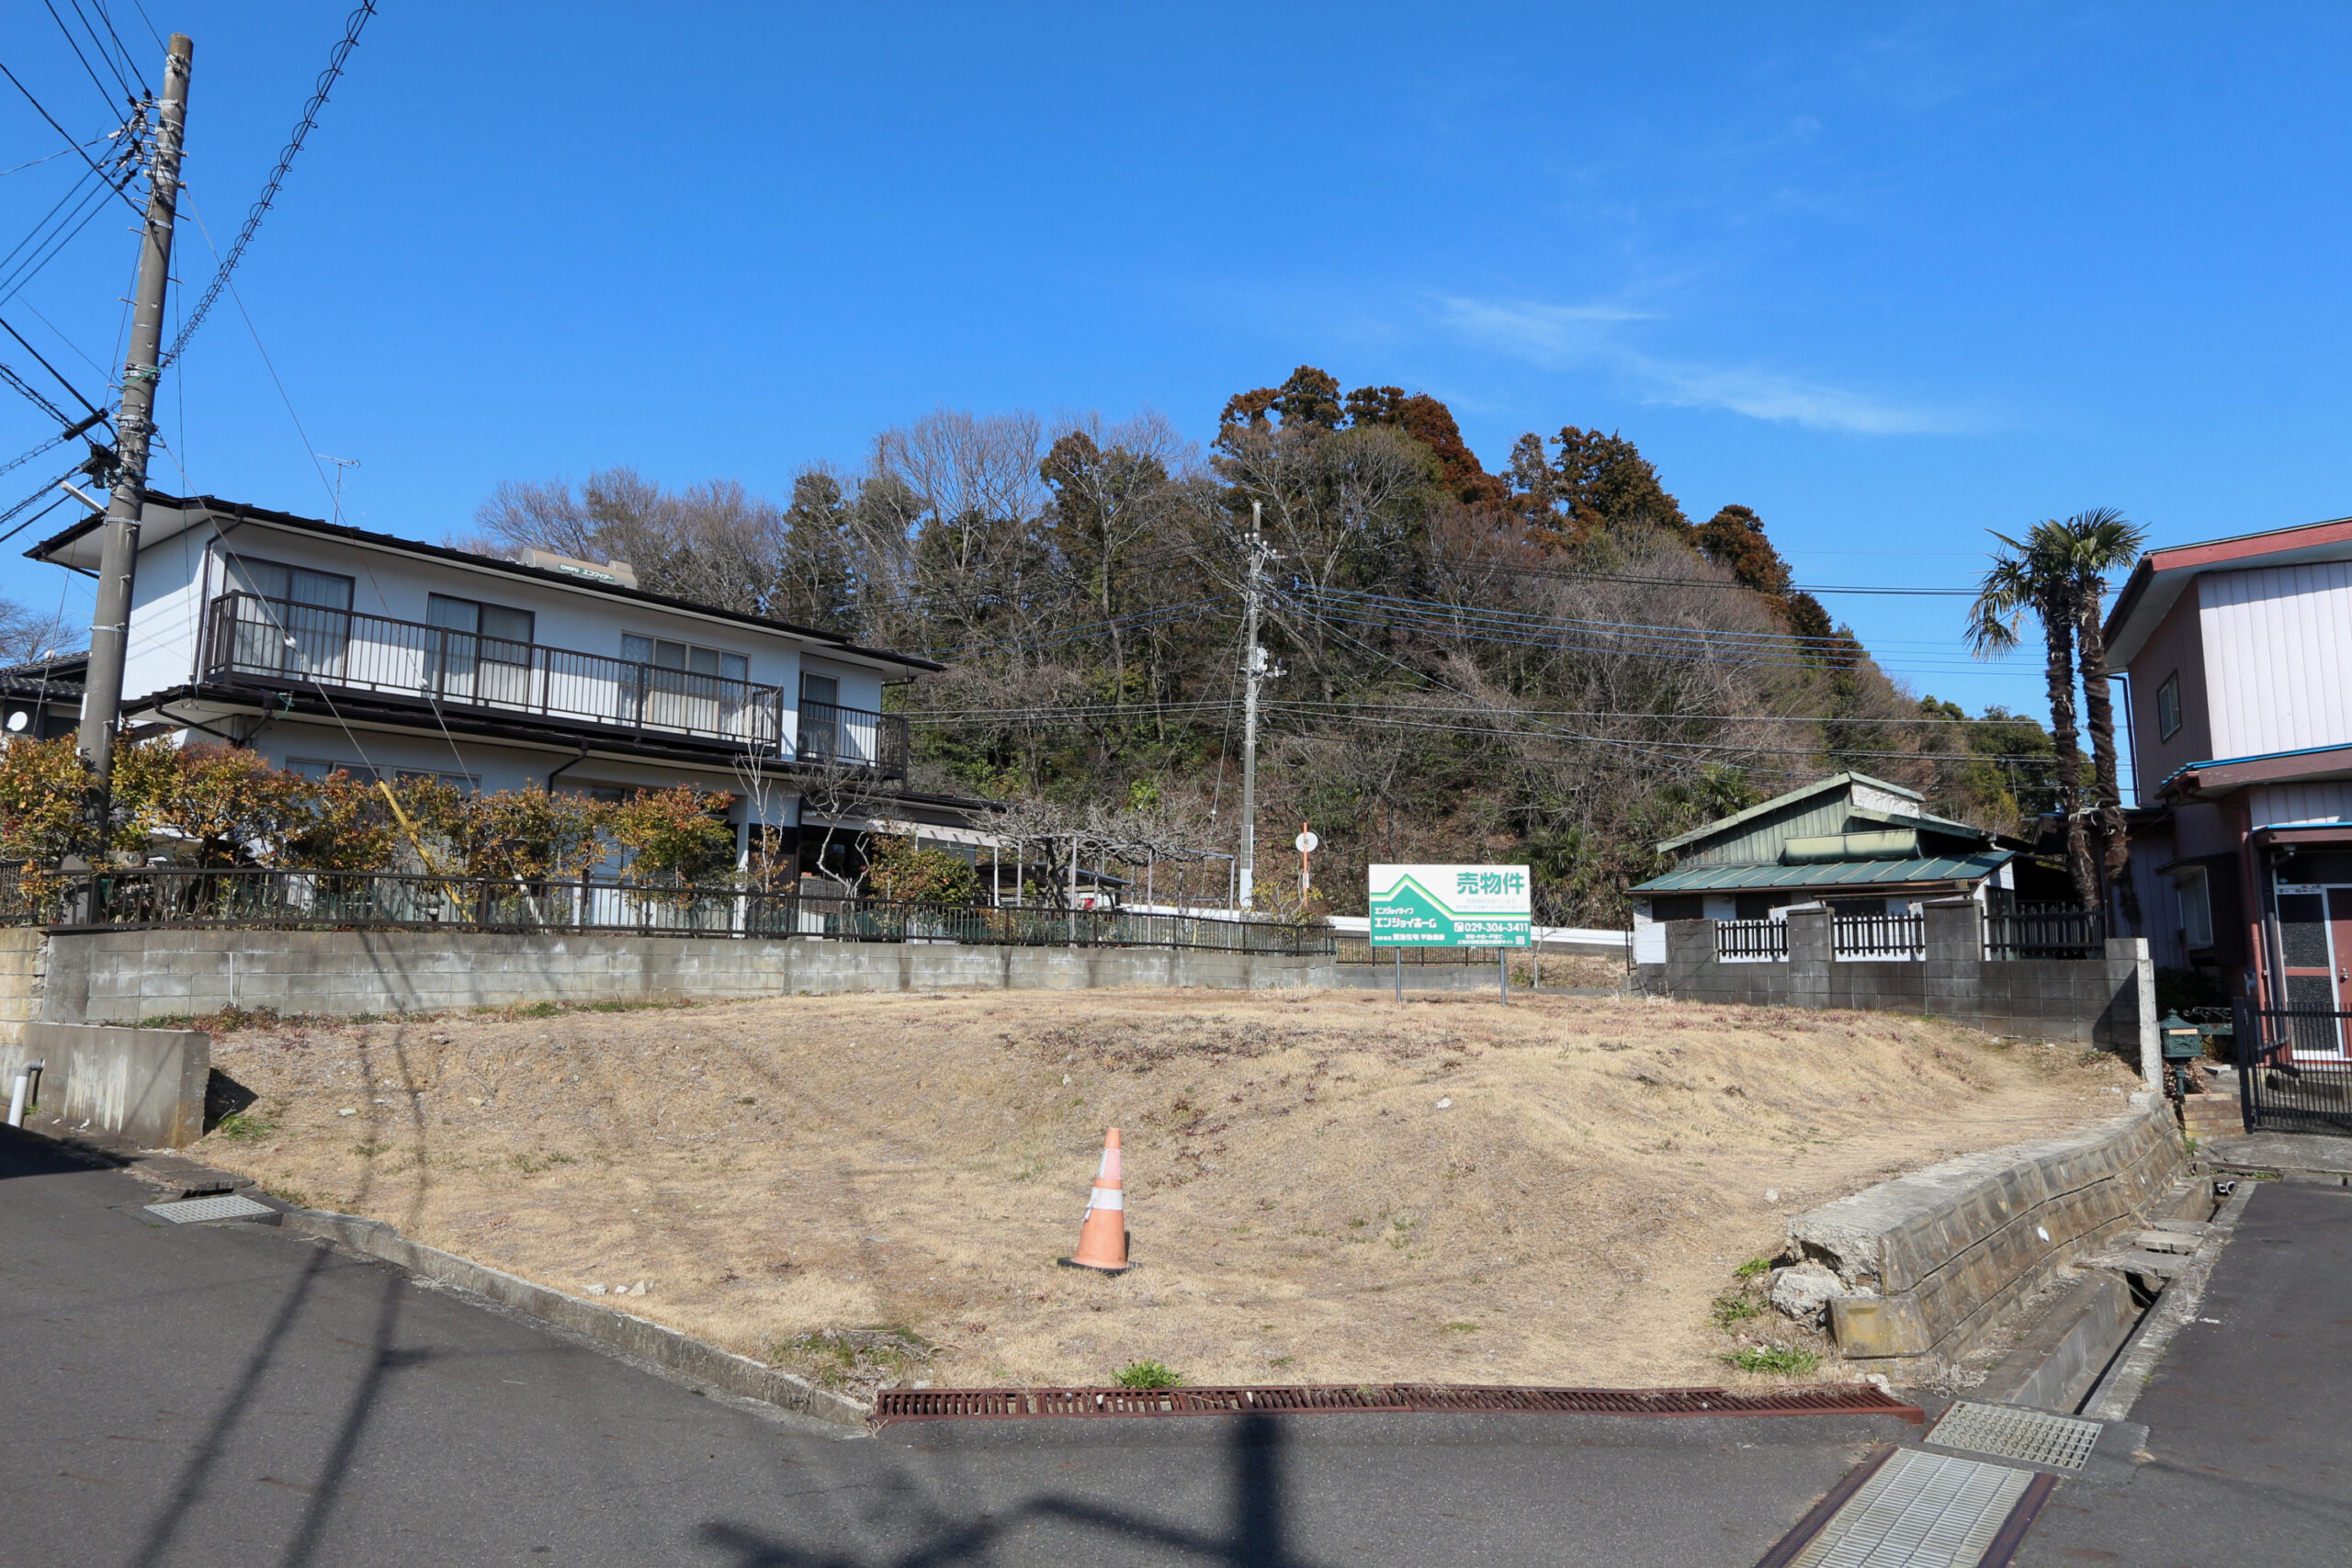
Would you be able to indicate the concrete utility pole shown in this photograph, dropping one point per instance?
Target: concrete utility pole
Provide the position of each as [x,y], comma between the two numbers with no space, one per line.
[135,427]
[1253,671]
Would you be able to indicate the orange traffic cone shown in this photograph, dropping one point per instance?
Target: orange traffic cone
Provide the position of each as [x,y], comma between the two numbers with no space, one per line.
[1102,1238]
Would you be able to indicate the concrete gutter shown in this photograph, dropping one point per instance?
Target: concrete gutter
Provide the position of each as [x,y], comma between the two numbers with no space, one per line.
[689,1358]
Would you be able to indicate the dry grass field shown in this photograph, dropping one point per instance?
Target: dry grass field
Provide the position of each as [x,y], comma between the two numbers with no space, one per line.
[1322,1188]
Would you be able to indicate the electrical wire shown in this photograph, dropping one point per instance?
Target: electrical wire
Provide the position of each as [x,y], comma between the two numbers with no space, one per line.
[75,44]
[69,136]
[327,78]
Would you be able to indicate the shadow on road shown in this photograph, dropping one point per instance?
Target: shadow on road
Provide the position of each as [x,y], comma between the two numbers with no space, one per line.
[1256,1537]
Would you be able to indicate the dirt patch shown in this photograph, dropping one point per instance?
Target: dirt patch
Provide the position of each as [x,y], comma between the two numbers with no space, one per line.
[1327,1188]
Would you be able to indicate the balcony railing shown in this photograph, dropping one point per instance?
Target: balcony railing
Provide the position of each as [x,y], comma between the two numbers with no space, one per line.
[278,642]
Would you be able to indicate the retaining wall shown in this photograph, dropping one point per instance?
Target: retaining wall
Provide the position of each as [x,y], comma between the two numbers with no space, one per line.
[24,962]
[124,976]
[146,1084]
[2097,1001]
[1931,1259]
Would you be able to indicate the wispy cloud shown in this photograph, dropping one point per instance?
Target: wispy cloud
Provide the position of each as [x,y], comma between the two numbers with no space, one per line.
[1563,337]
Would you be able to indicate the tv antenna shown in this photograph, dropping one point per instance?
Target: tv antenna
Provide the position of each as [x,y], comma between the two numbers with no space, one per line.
[340,464]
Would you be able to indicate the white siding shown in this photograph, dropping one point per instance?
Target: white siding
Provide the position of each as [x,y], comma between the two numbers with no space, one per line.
[2278,657]
[2275,805]
[166,608]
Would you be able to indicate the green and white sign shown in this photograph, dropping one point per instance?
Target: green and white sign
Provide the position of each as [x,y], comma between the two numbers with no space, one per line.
[1450,906]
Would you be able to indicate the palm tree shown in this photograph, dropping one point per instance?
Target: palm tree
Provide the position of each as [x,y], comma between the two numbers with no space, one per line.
[2098,542]
[2036,574]
[2059,572]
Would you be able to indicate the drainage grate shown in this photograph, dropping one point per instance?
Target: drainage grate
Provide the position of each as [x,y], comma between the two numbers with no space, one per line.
[1920,1510]
[194,1210]
[968,1404]
[2029,1435]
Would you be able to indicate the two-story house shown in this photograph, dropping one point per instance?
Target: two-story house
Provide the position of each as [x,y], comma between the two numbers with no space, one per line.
[323,647]
[2238,654]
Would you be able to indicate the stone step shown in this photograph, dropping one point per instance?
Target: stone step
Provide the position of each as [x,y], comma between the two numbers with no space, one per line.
[2163,1241]
[2183,1227]
[2136,1260]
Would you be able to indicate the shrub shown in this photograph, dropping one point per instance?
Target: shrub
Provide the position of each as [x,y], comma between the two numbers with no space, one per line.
[1147,1375]
[679,833]
[900,871]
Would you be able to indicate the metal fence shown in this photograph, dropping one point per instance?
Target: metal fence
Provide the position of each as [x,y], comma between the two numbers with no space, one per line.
[2044,933]
[1751,942]
[2295,1069]
[1879,936]
[1358,949]
[394,901]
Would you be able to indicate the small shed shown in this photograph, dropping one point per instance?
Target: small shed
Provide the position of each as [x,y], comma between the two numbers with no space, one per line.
[1859,844]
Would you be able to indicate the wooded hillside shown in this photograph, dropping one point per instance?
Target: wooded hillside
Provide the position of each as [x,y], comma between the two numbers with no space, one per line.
[1551,663]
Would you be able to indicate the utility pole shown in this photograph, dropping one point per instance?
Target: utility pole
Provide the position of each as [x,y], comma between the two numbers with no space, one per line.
[135,427]
[1253,671]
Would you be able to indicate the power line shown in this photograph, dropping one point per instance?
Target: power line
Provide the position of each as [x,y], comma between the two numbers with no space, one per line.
[138,119]
[327,78]
[75,44]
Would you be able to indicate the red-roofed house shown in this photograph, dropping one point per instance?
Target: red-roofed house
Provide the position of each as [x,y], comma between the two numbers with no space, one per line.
[2238,658]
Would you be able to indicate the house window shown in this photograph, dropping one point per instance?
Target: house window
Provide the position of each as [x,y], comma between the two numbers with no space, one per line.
[2195,906]
[479,653]
[662,654]
[681,686]
[1679,906]
[302,624]
[316,768]
[820,719]
[2168,708]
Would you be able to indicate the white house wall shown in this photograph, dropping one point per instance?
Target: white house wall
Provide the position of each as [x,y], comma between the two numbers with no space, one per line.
[165,624]
[167,615]
[2278,657]
[280,742]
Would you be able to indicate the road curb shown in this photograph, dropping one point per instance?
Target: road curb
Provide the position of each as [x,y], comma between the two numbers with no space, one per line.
[689,1358]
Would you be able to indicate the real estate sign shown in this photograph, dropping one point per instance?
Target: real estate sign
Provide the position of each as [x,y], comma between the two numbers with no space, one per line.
[1450,906]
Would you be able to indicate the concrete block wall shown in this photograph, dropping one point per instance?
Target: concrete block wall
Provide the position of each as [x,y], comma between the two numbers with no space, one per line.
[125,976]
[1931,1259]
[2096,1001]
[24,962]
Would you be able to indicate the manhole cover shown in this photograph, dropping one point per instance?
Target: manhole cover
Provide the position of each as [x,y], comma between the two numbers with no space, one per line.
[195,1211]
[2009,1433]
[1919,1511]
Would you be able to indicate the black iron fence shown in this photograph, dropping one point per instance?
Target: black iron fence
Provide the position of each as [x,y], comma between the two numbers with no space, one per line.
[1878,936]
[1751,942]
[2294,1069]
[397,901]
[2044,933]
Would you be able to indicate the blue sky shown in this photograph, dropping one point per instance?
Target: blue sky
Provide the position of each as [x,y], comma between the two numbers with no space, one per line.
[1891,275]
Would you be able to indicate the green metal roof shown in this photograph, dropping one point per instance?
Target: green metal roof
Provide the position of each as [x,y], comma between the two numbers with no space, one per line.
[1835,874]
[1766,807]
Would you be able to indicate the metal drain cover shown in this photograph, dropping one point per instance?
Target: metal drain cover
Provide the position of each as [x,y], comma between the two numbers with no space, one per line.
[195,1211]
[1919,1510]
[2034,1436]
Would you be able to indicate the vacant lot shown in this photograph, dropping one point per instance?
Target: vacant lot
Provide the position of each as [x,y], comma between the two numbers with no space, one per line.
[1330,1187]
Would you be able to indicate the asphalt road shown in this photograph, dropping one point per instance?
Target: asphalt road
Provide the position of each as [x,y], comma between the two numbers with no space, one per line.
[2249,1414]
[233,1397]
